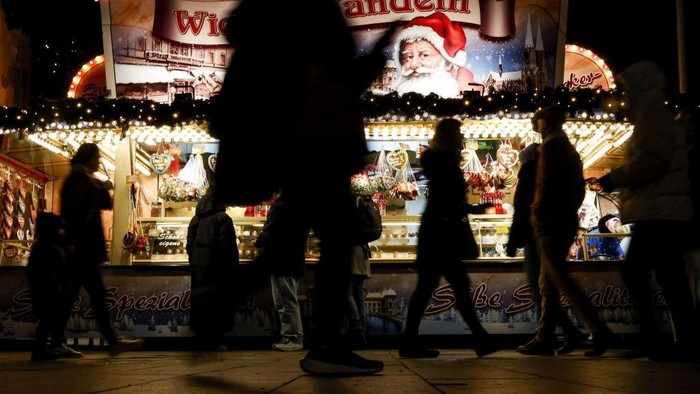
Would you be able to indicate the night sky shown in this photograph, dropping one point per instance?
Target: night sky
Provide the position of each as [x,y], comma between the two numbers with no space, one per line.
[66,34]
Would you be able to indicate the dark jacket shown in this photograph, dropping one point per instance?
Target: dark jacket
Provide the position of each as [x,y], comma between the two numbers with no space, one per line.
[211,238]
[559,187]
[442,228]
[322,76]
[47,271]
[82,199]
[283,241]
[213,256]
[521,230]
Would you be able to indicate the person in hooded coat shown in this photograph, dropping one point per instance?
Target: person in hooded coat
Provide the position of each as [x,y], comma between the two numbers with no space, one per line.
[655,198]
[213,257]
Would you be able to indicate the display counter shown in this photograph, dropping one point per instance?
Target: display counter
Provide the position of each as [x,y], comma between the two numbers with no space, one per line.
[167,237]
[153,301]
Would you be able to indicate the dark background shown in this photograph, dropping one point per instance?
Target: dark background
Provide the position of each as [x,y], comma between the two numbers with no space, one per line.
[66,34]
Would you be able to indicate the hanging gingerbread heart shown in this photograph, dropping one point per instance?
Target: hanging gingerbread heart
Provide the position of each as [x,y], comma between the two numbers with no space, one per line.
[9,221]
[22,189]
[507,156]
[20,235]
[9,196]
[20,222]
[22,206]
[29,234]
[32,214]
[160,163]
[212,162]
[397,159]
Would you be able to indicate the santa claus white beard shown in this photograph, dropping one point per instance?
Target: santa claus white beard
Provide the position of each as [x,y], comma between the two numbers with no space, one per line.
[425,81]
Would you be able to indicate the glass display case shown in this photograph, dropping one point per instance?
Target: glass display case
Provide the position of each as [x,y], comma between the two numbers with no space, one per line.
[167,237]
[491,234]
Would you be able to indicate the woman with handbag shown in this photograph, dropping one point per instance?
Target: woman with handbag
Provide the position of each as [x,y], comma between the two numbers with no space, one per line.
[444,240]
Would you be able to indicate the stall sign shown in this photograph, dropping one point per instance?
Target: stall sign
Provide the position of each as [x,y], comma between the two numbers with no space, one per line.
[483,46]
[583,69]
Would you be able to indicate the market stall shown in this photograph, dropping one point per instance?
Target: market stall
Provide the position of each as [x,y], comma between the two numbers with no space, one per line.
[148,282]
[160,157]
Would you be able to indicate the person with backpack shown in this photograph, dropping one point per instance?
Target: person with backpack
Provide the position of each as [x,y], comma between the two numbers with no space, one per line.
[441,239]
[49,284]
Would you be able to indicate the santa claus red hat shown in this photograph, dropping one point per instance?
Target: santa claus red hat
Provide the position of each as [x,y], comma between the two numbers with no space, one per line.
[446,36]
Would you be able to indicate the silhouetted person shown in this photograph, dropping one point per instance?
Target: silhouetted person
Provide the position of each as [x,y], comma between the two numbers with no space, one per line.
[559,192]
[212,253]
[656,198]
[82,198]
[47,274]
[440,242]
[521,236]
[323,137]
[688,119]
[283,242]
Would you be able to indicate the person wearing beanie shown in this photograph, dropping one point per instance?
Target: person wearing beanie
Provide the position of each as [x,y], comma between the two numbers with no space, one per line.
[430,55]
[655,198]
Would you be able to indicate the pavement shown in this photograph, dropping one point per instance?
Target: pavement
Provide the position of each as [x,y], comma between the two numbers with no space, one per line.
[267,371]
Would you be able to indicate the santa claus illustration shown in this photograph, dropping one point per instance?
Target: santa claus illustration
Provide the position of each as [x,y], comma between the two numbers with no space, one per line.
[430,54]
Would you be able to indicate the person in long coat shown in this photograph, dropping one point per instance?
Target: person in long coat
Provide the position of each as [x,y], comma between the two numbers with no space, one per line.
[655,194]
[83,197]
[213,257]
[321,140]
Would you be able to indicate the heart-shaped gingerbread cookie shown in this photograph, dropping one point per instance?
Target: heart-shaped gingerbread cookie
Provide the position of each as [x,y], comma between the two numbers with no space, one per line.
[507,156]
[397,159]
[212,162]
[160,163]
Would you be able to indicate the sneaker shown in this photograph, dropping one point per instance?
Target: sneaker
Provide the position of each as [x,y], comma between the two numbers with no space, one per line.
[64,351]
[536,348]
[124,345]
[338,363]
[418,352]
[288,346]
[43,355]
